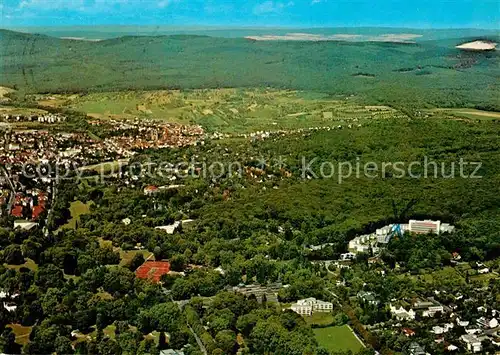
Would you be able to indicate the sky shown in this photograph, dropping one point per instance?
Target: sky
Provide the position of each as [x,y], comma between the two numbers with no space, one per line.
[255,13]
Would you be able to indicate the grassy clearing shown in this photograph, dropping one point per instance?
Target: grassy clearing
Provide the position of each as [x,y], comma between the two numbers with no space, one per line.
[337,339]
[484,278]
[24,111]
[22,333]
[77,208]
[448,276]
[127,256]
[106,167]
[30,264]
[470,113]
[320,318]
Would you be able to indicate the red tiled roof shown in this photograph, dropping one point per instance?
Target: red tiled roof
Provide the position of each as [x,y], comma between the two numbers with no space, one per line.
[37,211]
[153,270]
[17,211]
[408,331]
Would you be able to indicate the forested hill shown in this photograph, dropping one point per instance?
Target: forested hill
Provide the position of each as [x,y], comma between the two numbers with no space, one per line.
[427,73]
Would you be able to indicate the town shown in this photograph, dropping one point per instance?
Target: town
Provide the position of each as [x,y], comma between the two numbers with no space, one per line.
[33,159]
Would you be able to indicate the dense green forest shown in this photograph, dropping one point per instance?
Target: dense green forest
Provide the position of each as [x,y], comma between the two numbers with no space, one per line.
[430,73]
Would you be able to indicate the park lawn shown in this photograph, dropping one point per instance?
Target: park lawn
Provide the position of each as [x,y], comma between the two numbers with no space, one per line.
[29,264]
[320,318]
[22,333]
[77,208]
[127,256]
[337,339]
[484,278]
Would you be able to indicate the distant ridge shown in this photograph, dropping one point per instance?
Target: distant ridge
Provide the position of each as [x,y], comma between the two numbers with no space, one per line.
[107,32]
[427,73]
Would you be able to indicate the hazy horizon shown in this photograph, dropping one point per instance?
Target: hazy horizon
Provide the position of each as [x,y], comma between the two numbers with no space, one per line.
[355,33]
[483,14]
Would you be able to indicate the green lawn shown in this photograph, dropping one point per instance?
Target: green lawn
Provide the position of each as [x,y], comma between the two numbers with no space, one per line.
[77,209]
[30,264]
[337,339]
[320,318]
[22,333]
[470,113]
[127,256]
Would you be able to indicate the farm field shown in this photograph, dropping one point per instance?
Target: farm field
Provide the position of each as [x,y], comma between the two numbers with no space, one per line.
[470,113]
[228,110]
[337,339]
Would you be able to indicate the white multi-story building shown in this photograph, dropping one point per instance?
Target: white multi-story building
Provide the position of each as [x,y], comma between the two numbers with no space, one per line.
[367,242]
[311,305]
[432,310]
[428,226]
[402,314]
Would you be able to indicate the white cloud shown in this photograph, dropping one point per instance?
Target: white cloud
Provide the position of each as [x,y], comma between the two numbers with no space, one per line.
[271,7]
[163,3]
[51,4]
[91,5]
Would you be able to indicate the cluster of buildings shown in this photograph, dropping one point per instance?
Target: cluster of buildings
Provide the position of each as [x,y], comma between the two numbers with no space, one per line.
[122,141]
[382,236]
[145,134]
[471,335]
[43,147]
[29,205]
[41,118]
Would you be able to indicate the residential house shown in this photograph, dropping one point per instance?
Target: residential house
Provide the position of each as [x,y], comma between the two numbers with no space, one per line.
[451,347]
[487,323]
[432,310]
[171,352]
[150,190]
[9,306]
[472,343]
[414,348]
[368,297]
[408,332]
[25,225]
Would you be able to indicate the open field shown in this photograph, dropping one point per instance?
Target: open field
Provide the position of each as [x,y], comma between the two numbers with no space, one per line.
[320,318]
[22,333]
[29,264]
[9,110]
[470,113]
[106,167]
[77,208]
[229,110]
[127,256]
[337,339]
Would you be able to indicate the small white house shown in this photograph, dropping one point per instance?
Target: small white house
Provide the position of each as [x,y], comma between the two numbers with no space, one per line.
[10,307]
[487,323]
